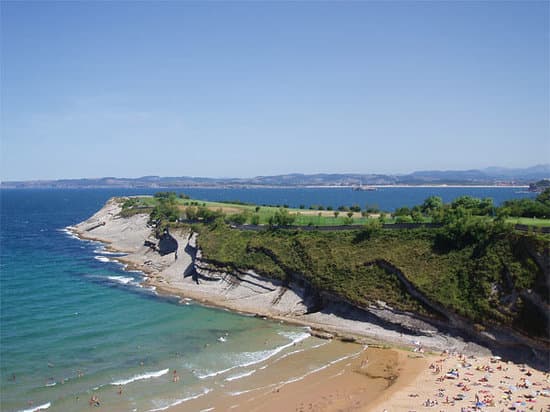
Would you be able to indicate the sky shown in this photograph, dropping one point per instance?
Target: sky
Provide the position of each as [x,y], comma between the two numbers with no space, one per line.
[241,89]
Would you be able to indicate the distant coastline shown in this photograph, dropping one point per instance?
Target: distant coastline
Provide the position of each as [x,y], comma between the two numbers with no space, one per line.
[11,186]
[489,177]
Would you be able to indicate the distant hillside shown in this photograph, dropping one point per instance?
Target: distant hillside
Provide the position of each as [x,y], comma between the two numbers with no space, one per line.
[488,176]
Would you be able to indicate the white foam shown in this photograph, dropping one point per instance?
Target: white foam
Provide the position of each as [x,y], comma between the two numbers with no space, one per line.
[299,378]
[120,279]
[211,374]
[102,259]
[237,393]
[180,401]
[38,408]
[101,251]
[51,384]
[207,410]
[266,354]
[286,355]
[261,356]
[319,345]
[147,375]
[69,232]
[240,375]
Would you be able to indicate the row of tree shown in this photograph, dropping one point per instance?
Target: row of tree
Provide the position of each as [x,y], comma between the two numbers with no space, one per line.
[432,209]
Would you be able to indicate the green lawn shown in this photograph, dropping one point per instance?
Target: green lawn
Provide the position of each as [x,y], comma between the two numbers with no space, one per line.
[529,221]
[304,217]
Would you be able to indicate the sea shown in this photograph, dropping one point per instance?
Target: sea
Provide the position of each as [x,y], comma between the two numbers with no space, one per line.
[74,323]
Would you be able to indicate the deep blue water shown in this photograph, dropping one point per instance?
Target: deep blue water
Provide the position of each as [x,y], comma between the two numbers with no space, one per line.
[63,310]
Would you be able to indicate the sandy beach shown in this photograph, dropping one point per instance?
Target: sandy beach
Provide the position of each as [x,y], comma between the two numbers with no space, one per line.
[376,379]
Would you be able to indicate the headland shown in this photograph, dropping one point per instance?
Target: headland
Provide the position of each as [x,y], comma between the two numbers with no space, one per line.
[189,275]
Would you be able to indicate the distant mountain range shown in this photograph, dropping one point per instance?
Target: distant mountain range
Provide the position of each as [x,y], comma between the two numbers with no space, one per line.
[488,176]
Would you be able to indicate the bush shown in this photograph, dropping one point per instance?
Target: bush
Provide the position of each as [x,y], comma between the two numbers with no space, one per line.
[237,219]
[281,218]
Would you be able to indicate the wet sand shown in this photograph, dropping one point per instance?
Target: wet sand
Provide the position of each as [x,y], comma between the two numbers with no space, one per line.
[354,380]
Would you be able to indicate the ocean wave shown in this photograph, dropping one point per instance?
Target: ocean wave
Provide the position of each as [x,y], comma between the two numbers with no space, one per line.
[237,393]
[180,401]
[216,373]
[147,375]
[102,259]
[311,372]
[102,251]
[319,345]
[68,232]
[240,375]
[252,358]
[294,352]
[264,355]
[121,279]
[38,408]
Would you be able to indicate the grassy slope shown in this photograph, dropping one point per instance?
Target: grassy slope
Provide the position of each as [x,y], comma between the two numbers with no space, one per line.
[471,280]
[463,280]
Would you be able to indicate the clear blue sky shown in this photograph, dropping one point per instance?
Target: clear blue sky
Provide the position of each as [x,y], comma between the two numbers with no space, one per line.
[127,89]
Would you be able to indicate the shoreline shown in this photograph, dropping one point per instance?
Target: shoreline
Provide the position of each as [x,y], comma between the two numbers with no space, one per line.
[254,295]
[384,186]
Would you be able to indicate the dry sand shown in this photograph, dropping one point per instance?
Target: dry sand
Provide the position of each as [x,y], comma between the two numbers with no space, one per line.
[455,382]
[353,385]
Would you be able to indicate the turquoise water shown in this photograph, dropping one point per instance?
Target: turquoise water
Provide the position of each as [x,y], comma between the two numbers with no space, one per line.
[73,323]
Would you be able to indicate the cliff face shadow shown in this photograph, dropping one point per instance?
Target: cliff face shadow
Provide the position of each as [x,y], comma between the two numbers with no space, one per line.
[517,353]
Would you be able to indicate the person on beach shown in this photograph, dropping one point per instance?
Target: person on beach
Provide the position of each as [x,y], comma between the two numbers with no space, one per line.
[119,390]
[94,401]
[175,377]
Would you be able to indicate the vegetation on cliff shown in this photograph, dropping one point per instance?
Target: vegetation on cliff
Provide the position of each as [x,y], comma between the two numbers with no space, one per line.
[473,264]
[478,270]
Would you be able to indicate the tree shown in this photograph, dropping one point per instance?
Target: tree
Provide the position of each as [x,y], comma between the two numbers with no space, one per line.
[431,205]
[281,218]
[544,197]
[402,211]
[416,216]
[336,213]
[238,218]
[350,214]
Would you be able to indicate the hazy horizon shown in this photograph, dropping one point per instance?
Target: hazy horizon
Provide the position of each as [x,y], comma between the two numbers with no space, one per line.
[249,89]
[547,165]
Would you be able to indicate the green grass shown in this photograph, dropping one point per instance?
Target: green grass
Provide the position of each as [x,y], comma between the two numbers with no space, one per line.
[303,217]
[466,267]
[529,221]
[462,280]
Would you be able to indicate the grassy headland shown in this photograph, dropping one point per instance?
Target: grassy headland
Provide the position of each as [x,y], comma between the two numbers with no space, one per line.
[474,265]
